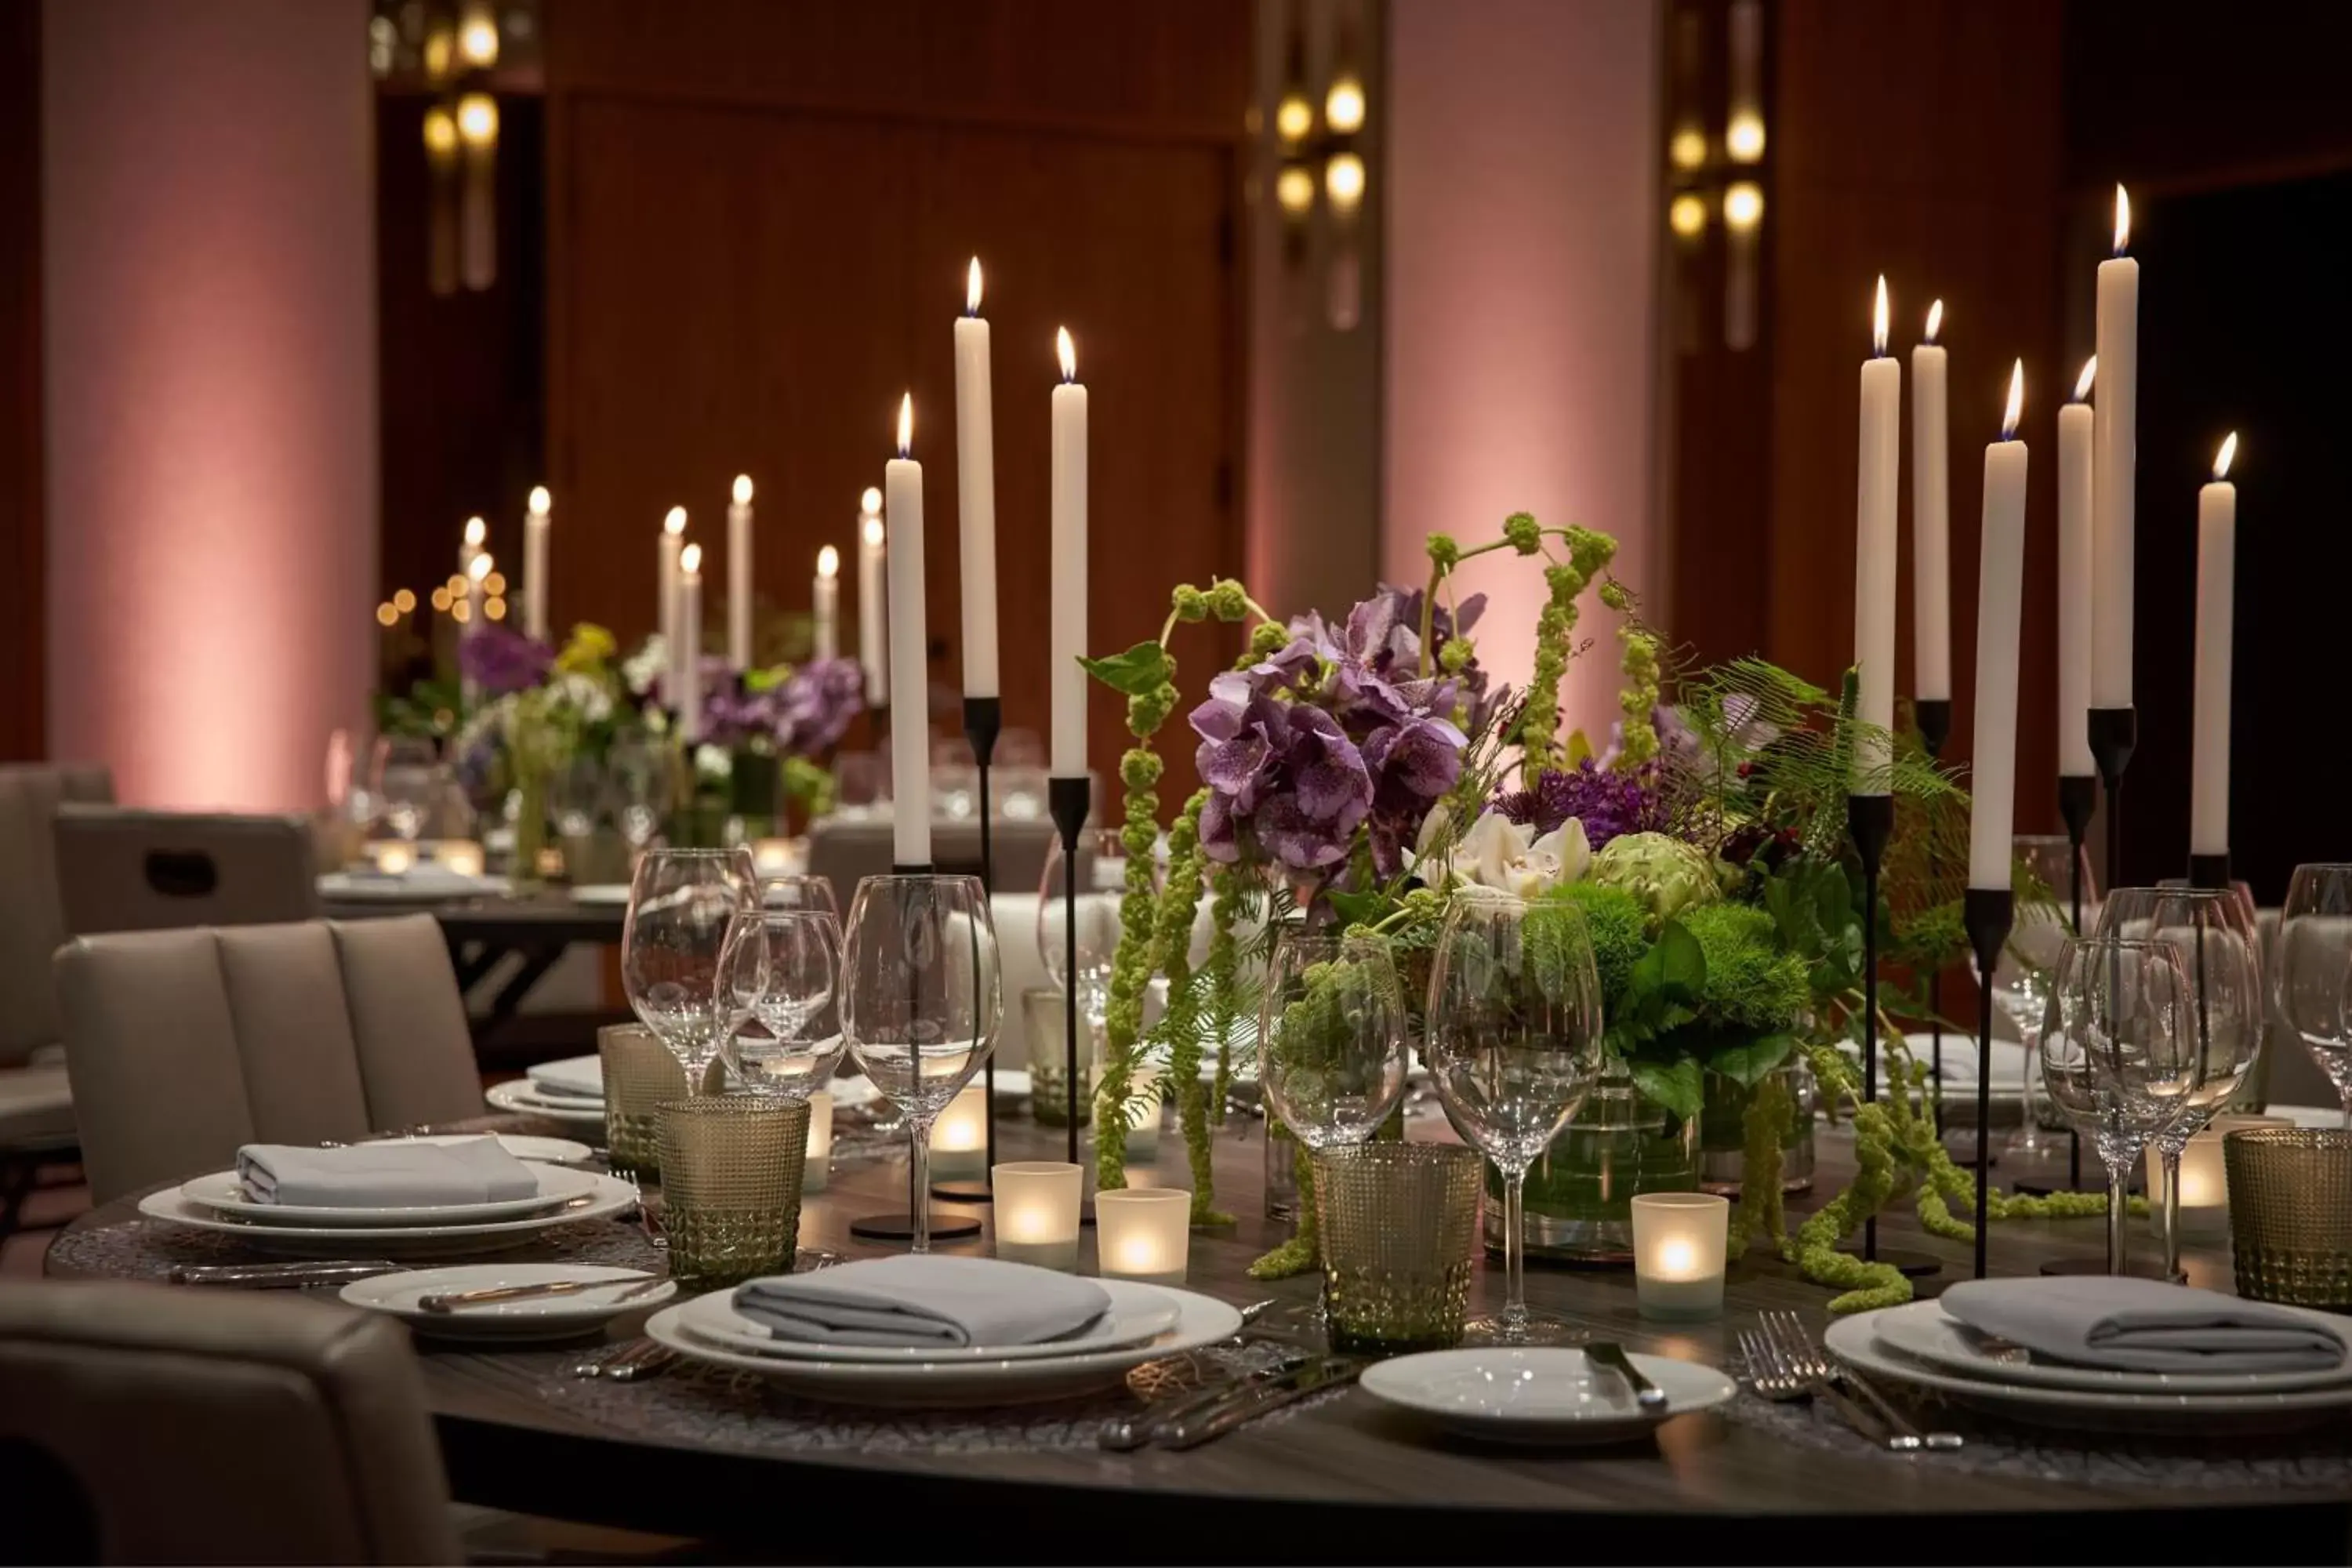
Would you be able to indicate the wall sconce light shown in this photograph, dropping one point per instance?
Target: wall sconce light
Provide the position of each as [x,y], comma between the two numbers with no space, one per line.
[1686,216]
[478,245]
[1343,105]
[478,36]
[1294,188]
[1743,139]
[1743,206]
[1343,183]
[1688,150]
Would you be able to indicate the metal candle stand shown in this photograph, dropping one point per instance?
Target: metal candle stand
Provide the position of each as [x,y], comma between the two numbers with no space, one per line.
[1987,913]
[1934,717]
[2078,798]
[1069,801]
[1870,819]
[983,718]
[2114,732]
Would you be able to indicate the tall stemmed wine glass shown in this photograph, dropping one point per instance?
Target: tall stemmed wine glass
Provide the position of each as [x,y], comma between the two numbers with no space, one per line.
[1513,1045]
[2212,931]
[801,891]
[922,995]
[2315,967]
[2021,980]
[783,969]
[685,906]
[1333,1025]
[2119,1053]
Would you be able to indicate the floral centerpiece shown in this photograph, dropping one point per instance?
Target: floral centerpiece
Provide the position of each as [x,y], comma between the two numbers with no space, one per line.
[1356,773]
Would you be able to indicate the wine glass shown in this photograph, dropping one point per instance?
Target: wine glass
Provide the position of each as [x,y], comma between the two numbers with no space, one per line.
[921,998]
[576,798]
[783,969]
[407,779]
[1513,1045]
[637,777]
[2315,967]
[1100,880]
[683,906]
[801,891]
[1332,1028]
[2119,1053]
[2021,980]
[2212,931]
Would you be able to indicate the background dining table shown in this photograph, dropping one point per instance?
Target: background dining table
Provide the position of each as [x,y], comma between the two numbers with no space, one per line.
[1339,1477]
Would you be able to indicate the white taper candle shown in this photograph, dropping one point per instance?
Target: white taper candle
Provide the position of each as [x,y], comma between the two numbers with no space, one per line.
[2074,592]
[873,619]
[687,689]
[976,494]
[1069,639]
[1879,468]
[2115,423]
[824,604]
[534,565]
[911,730]
[1931,527]
[673,539]
[2216,579]
[739,574]
[2001,588]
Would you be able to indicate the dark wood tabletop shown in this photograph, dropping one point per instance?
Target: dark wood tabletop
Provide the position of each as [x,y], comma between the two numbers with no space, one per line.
[1348,1480]
[552,915]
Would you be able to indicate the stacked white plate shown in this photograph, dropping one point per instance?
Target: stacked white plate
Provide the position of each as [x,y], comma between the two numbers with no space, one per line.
[572,1091]
[427,884]
[1144,1322]
[1924,1346]
[217,1203]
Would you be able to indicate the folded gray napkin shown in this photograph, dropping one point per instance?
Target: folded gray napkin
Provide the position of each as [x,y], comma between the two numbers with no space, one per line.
[2143,1325]
[384,1175]
[574,1077]
[925,1302]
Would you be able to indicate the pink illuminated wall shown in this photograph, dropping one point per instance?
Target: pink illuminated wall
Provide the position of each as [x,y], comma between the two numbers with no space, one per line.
[208,255]
[1521,272]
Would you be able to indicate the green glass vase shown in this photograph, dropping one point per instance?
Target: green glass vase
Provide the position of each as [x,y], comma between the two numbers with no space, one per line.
[1580,1195]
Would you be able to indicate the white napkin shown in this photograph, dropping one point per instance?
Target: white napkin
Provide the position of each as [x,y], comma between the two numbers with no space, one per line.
[928,1301]
[384,1175]
[2143,1325]
[574,1077]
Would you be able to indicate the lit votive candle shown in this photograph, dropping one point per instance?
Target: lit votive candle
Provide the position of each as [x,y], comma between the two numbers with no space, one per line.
[1144,1234]
[461,855]
[775,858]
[816,1171]
[2204,1186]
[1036,1207]
[959,1137]
[1678,1254]
[393,856]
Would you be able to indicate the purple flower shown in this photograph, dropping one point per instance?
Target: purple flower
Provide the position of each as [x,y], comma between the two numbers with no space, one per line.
[802,715]
[1283,778]
[1608,803]
[497,659]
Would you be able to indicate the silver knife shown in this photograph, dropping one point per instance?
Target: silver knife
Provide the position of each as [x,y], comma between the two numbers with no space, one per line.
[1258,1399]
[282,1276]
[1159,1423]
[1646,1395]
[455,1301]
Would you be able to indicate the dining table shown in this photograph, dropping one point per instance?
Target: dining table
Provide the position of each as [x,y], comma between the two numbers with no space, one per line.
[727,1459]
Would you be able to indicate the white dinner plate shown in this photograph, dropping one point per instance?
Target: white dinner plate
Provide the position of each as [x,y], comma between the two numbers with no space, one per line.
[223,1194]
[610,1196]
[601,893]
[521,1145]
[2321,1116]
[1541,1394]
[1138,1312]
[1925,1332]
[1200,1320]
[516,1097]
[346,887]
[1854,1340]
[573,1078]
[531,1318]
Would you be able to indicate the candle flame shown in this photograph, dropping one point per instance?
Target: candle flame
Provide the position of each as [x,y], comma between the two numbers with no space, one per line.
[476,531]
[742,490]
[828,562]
[1068,352]
[2221,458]
[873,531]
[2082,382]
[540,501]
[676,521]
[906,425]
[1878,320]
[870,503]
[2016,402]
[1935,320]
[689,559]
[2122,220]
[971,290]
[480,566]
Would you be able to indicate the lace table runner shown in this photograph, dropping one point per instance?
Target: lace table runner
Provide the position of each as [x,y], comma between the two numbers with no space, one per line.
[150,1249]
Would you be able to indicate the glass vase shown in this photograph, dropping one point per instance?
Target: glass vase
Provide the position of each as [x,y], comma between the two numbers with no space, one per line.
[1723,1132]
[1579,1194]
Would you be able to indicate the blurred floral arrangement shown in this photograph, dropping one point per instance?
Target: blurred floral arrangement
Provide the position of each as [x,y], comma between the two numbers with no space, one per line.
[1357,774]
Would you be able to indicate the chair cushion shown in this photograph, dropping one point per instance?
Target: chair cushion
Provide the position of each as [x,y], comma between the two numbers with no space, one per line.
[35,1108]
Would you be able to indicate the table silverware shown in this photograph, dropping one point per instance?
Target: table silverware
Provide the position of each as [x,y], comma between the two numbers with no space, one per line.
[1240,1407]
[491,1295]
[283,1276]
[1646,1395]
[1806,1357]
[639,1358]
[1160,1421]
[1773,1378]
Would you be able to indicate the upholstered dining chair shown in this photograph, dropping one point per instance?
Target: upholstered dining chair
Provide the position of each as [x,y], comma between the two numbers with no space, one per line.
[846,851]
[182,1044]
[142,1424]
[37,1118]
[150,871]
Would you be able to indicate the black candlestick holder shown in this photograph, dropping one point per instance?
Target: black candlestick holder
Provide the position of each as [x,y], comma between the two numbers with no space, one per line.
[2209,871]
[1069,801]
[1987,913]
[2115,732]
[1870,819]
[983,718]
[2078,800]
[1934,717]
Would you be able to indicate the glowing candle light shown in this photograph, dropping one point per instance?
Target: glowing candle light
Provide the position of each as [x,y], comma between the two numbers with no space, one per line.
[2216,579]
[1068,636]
[976,492]
[1881,459]
[910,729]
[2074,592]
[534,563]
[873,633]
[1931,528]
[2001,588]
[2115,437]
[1679,1247]
[825,603]
[688,667]
[739,574]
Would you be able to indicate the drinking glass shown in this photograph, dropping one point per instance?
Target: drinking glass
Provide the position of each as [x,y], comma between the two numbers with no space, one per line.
[2212,932]
[2119,1053]
[637,781]
[921,1000]
[801,891]
[2314,966]
[783,969]
[1513,1045]
[1100,880]
[1333,1023]
[406,778]
[2021,980]
[576,798]
[683,906]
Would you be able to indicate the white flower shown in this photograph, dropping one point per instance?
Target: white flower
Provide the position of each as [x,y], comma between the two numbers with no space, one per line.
[643,668]
[585,696]
[714,762]
[1499,853]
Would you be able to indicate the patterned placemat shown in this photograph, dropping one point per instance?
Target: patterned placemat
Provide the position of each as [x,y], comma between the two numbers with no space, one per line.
[146,1248]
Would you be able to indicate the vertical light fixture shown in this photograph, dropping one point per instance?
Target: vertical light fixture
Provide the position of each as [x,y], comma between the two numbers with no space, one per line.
[1743,200]
[441,199]
[478,129]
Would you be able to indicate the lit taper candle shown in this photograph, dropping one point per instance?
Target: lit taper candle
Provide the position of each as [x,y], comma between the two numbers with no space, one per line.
[739,574]
[976,493]
[2217,581]
[824,604]
[687,688]
[873,630]
[1881,459]
[1931,526]
[2001,588]
[673,539]
[2114,425]
[2074,461]
[911,730]
[534,565]
[1069,536]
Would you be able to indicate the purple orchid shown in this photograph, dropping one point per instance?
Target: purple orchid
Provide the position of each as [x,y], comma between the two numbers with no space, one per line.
[1608,803]
[497,659]
[802,715]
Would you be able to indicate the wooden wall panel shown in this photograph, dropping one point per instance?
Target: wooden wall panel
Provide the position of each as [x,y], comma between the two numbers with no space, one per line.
[22,624]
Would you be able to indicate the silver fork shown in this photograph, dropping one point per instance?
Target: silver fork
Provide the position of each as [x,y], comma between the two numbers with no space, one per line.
[1786,1330]
[1772,1374]
[646,1221]
[623,1364]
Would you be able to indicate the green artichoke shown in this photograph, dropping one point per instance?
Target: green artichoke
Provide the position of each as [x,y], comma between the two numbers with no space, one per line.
[1666,874]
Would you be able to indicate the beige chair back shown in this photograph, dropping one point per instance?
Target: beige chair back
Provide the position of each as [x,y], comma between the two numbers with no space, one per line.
[182,1044]
[156,870]
[32,918]
[849,851]
[150,1426]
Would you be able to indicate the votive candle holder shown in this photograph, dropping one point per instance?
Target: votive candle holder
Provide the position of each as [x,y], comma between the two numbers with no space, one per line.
[1036,1204]
[1679,1242]
[816,1174]
[959,1137]
[1143,1234]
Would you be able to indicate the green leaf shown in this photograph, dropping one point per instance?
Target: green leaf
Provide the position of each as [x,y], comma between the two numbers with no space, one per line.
[1579,748]
[1357,907]
[1139,672]
[1676,1085]
[1682,961]
[1746,1061]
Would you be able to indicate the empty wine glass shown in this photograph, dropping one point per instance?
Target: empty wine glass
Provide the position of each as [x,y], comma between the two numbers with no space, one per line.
[638,777]
[801,891]
[684,906]
[1513,1045]
[2119,1053]
[2021,980]
[921,1000]
[407,780]
[2315,967]
[1332,1024]
[2214,933]
[576,798]
[783,970]
[1099,880]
